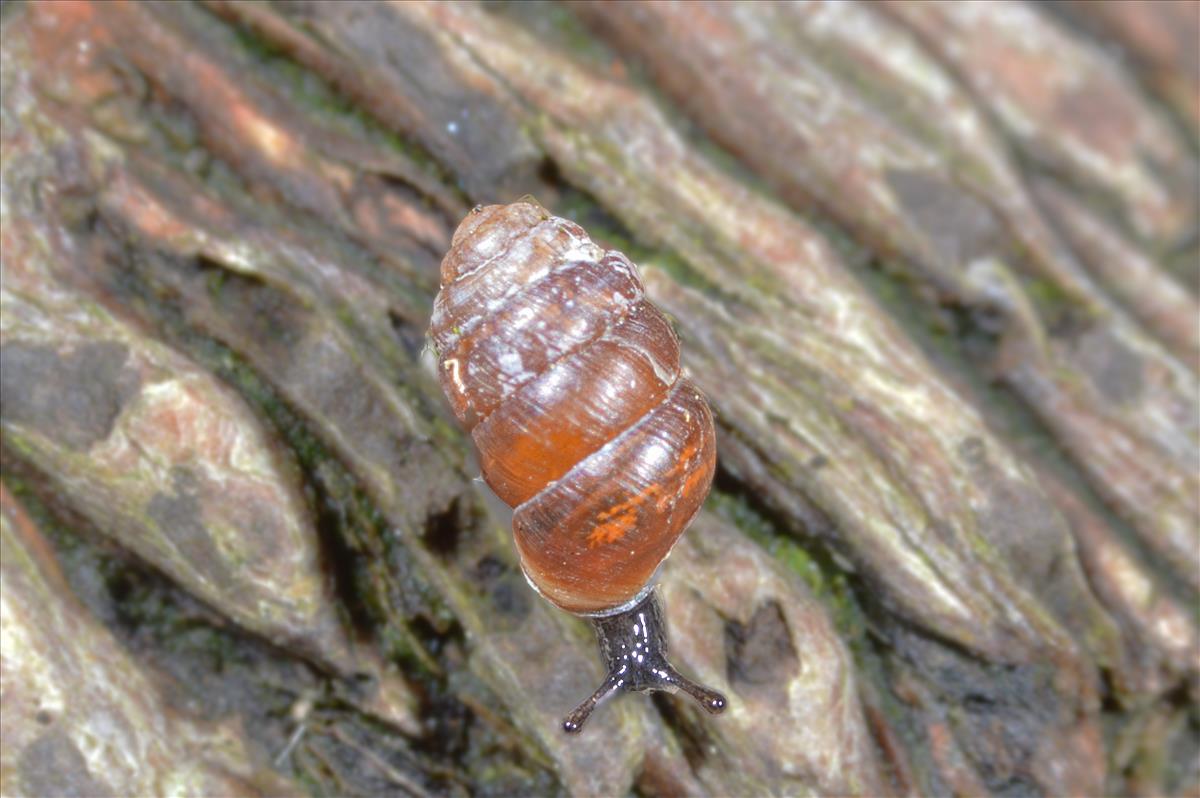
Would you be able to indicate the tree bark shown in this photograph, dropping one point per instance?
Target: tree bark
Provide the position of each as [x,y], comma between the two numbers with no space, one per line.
[933,264]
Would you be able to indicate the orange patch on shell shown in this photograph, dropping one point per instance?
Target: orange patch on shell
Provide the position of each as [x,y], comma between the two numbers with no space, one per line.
[613,529]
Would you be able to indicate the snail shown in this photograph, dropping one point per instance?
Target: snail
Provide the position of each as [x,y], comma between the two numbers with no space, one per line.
[568,380]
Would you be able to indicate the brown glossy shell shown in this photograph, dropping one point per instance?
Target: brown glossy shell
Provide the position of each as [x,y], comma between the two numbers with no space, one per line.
[568,379]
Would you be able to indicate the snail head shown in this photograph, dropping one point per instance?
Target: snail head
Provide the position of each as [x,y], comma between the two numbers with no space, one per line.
[633,644]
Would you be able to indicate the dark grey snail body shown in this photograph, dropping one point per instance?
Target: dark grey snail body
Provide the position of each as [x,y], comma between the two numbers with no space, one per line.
[568,379]
[633,645]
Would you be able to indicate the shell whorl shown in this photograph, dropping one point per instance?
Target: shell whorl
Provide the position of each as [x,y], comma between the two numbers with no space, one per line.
[568,379]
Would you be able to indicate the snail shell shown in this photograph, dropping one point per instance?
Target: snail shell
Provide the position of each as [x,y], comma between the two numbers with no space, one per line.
[568,380]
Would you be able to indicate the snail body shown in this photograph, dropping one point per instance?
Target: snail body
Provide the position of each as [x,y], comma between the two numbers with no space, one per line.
[568,380]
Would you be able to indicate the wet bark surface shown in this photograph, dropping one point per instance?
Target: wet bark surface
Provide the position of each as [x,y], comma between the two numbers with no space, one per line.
[935,266]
